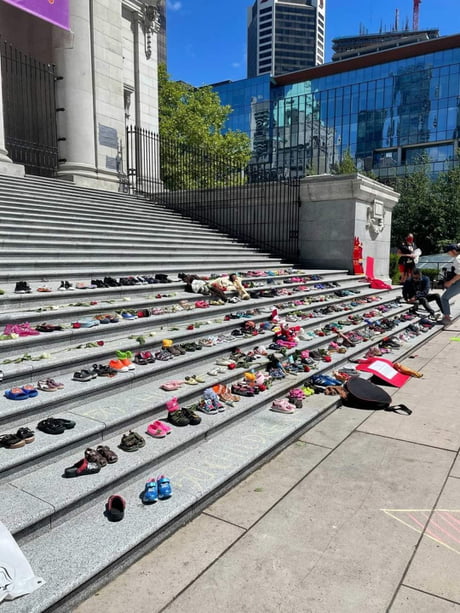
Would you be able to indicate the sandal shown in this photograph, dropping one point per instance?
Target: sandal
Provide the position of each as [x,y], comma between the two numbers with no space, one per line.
[83,375]
[96,458]
[155,431]
[50,426]
[16,393]
[83,467]
[26,435]
[45,387]
[107,453]
[11,441]
[132,441]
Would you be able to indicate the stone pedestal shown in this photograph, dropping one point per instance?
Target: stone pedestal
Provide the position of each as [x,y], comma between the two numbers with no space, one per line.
[6,164]
[337,208]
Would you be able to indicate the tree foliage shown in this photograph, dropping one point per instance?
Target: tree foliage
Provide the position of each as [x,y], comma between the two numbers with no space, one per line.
[429,208]
[195,152]
[346,166]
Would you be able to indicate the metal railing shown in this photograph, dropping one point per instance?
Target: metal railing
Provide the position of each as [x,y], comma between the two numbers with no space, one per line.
[29,111]
[255,204]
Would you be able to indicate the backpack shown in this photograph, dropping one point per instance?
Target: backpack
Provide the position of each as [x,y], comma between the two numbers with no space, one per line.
[363,394]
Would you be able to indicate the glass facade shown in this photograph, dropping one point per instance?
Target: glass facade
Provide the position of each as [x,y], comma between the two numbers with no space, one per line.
[389,116]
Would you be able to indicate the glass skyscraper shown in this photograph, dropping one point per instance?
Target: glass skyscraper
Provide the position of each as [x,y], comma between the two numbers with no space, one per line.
[285,36]
[390,110]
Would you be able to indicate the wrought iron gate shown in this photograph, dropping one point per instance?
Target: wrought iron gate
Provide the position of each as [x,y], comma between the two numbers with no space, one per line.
[29,111]
[253,204]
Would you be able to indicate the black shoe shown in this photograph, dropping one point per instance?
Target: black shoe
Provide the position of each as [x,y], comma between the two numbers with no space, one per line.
[19,289]
[189,413]
[62,286]
[68,285]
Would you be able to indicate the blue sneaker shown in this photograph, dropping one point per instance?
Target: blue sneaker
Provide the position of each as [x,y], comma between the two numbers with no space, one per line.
[150,493]
[164,487]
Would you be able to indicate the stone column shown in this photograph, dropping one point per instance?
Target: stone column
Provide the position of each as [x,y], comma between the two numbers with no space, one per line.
[75,94]
[6,164]
[337,208]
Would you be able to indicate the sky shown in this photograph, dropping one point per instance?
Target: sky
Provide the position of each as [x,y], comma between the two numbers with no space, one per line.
[207,38]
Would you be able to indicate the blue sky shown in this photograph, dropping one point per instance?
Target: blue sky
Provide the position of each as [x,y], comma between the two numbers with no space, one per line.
[207,39]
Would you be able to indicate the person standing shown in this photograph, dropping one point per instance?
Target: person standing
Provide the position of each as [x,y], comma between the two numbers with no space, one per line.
[451,287]
[409,254]
[416,290]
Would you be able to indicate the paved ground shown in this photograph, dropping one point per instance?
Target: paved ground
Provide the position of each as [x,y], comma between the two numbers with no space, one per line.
[361,514]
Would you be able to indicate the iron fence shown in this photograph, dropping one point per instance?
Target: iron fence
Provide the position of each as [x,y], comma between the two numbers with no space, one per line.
[255,204]
[29,110]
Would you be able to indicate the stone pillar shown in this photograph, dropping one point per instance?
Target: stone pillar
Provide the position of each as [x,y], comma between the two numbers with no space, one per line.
[6,164]
[337,208]
[75,94]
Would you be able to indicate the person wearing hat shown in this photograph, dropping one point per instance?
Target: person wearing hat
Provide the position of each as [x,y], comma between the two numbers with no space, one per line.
[409,255]
[451,287]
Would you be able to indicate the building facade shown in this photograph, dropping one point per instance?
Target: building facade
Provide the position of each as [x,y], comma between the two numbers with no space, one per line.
[390,110]
[285,35]
[347,47]
[101,75]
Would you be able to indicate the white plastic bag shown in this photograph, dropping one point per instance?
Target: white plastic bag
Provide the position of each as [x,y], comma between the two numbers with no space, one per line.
[16,575]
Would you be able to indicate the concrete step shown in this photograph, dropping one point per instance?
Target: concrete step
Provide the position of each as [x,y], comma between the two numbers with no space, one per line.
[58,251]
[82,220]
[42,240]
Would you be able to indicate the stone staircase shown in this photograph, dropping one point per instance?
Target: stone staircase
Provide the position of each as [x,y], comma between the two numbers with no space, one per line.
[52,231]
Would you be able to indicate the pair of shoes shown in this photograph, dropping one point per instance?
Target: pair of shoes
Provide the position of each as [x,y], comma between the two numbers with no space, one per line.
[23,436]
[54,425]
[22,287]
[49,385]
[131,441]
[21,393]
[122,365]
[158,429]
[178,416]
[84,375]
[282,406]
[65,285]
[156,489]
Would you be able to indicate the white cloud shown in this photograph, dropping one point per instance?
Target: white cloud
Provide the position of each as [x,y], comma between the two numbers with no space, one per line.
[236,64]
[174,5]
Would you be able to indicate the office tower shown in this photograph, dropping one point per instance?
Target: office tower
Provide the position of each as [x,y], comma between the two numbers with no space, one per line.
[285,36]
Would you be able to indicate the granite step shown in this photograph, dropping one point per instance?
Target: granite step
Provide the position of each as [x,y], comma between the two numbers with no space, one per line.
[107,401]
[198,475]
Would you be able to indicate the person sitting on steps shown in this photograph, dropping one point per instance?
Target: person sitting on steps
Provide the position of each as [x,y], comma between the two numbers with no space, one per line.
[416,291]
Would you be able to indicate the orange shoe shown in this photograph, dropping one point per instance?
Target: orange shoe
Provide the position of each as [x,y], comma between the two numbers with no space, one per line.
[118,366]
[127,362]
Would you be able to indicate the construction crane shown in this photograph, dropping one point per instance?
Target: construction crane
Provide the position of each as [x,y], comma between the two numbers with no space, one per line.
[416,14]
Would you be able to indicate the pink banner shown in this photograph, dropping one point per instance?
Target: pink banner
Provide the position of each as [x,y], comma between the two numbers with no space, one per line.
[55,11]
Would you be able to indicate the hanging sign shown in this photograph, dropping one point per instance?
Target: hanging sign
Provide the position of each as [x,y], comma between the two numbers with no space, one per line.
[54,11]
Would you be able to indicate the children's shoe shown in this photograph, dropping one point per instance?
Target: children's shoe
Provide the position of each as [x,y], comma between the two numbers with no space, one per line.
[191,415]
[150,493]
[164,487]
[206,405]
[155,431]
[176,417]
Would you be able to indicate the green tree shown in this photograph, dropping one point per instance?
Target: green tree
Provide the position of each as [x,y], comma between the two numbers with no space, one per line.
[347,165]
[195,151]
[429,208]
